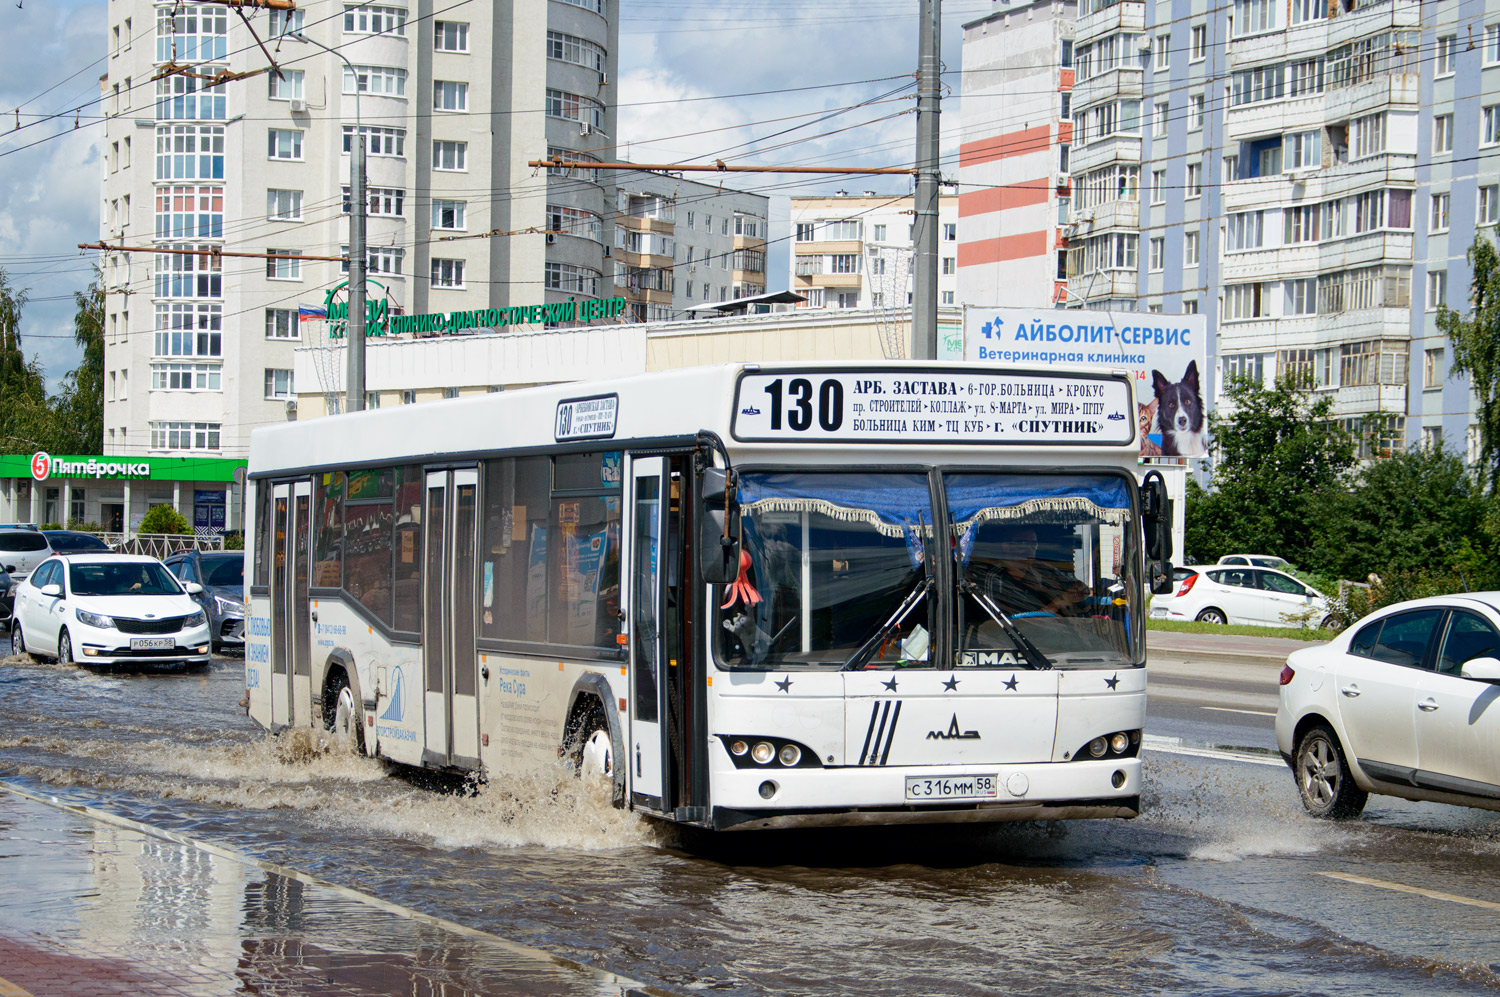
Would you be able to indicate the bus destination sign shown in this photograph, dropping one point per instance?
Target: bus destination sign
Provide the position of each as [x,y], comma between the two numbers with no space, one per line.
[586,418]
[935,406]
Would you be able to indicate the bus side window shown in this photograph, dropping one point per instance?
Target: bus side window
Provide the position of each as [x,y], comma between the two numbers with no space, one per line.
[513,571]
[262,571]
[407,548]
[328,531]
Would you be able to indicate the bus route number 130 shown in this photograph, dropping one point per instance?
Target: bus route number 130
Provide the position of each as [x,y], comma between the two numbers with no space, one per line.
[794,400]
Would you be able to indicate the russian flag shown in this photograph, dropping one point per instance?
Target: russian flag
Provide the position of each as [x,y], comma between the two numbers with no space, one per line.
[306,313]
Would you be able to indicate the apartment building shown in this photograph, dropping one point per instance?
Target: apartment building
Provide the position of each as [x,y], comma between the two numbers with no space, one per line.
[450,105]
[1015,191]
[1308,174]
[681,244]
[857,251]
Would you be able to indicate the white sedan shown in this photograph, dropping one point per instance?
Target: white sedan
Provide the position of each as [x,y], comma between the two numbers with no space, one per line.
[1257,596]
[1403,703]
[108,609]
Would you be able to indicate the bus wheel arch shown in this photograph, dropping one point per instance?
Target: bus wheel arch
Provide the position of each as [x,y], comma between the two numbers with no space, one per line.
[340,699]
[591,710]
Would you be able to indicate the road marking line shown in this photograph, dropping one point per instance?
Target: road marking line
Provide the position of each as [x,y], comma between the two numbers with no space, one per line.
[1227,709]
[1402,888]
[1173,746]
[9,989]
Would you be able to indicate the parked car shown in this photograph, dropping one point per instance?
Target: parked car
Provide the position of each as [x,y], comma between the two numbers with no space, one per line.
[222,575]
[75,542]
[17,526]
[1160,601]
[23,549]
[7,597]
[1257,596]
[109,609]
[1258,561]
[1400,704]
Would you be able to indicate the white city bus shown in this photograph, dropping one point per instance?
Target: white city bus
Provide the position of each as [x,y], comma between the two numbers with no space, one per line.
[747,597]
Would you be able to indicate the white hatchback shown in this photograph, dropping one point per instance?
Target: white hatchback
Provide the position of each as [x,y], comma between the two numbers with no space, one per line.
[109,609]
[1257,596]
[1403,703]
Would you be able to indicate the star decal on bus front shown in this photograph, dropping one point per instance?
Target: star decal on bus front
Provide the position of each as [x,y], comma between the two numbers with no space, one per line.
[1113,680]
[1011,684]
[952,684]
[891,685]
[785,685]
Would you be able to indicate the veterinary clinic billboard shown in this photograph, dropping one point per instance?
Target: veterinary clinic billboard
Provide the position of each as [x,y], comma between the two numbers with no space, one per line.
[1166,354]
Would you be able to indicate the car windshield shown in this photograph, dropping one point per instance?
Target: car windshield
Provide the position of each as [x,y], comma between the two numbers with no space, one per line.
[227,570]
[1046,566]
[122,578]
[834,572]
[76,541]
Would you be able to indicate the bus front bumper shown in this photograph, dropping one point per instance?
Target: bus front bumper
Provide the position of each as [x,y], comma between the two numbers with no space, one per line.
[843,797]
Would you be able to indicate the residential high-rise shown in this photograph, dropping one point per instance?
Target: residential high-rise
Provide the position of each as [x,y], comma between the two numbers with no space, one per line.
[451,104]
[856,252]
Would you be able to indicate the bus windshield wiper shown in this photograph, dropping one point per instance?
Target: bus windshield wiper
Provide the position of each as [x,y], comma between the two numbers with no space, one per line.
[1029,650]
[915,596]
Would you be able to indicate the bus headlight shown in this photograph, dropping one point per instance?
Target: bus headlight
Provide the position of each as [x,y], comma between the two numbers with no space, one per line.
[789,754]
[1118,743]
[1097,747]
[763,752]
[738,748]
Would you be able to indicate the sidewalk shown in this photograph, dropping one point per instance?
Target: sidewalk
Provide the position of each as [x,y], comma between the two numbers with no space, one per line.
[91,906]
[1223,648]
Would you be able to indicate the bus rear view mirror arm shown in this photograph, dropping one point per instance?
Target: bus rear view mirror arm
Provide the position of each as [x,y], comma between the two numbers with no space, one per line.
[718,537]
[1156,525]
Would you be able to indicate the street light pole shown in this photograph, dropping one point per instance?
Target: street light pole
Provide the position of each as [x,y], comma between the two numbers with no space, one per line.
[924,334]
[354,339]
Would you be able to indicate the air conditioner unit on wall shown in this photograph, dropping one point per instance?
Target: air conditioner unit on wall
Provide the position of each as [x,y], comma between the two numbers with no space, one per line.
[298,105]
[584,128]
[551,238]
[1064,179]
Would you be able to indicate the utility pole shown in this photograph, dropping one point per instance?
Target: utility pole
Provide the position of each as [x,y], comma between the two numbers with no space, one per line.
[354,336]
[924,336]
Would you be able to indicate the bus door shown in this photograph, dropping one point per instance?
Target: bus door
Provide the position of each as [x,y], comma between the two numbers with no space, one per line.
[451,696]
[291,627]
[300,608]
[645,744]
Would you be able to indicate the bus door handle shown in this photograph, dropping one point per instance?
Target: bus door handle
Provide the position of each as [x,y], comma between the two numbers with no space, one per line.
[314,615]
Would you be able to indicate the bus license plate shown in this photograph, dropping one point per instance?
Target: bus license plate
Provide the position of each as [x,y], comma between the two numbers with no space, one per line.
[151,643]
[920,788]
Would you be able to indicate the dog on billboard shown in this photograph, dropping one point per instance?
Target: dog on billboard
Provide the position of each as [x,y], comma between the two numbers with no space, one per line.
[1179,412]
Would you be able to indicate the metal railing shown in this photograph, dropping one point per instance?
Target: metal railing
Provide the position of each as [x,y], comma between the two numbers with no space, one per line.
[160,544]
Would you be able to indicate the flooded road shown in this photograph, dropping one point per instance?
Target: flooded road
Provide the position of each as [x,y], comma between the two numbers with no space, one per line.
[1223,886]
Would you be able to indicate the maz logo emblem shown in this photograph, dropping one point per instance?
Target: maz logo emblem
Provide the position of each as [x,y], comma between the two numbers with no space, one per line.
[952,733]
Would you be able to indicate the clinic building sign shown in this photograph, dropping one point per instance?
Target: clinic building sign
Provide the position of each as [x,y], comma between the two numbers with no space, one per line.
[1165,355]
[379,321]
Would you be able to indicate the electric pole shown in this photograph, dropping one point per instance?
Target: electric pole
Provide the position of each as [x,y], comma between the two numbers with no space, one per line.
[924,335]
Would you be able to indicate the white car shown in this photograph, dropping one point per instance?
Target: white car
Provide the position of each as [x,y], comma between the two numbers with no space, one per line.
[1258,561]
[1161,600]
[22,550]
[1403,703]
[1256,596]
[108,609]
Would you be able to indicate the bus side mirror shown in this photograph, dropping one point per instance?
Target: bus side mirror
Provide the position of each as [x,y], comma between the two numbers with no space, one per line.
[718,534]
[1156,525]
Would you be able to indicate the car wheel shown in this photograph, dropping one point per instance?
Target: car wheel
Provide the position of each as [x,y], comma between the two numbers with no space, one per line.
[1323,779]
[17,639]
[1214,616]
[1328,623]
[64,649]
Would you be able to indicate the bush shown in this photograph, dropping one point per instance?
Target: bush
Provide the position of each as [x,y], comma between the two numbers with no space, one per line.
[234,540]
[85,527]
[50,526]
[164,519]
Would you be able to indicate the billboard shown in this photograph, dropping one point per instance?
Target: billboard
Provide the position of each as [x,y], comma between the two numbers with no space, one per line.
[1165,355]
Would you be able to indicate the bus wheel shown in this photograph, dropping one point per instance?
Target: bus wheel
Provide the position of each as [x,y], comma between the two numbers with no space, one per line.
[597,759]
[343,718]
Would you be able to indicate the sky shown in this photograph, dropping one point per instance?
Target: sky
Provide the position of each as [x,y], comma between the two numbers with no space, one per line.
[683,66]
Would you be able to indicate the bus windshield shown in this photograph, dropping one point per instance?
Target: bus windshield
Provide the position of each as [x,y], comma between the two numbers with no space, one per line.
[836,572]
[1046,570]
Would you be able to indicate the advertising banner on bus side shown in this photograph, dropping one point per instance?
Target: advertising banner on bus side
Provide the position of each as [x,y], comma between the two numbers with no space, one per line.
[1166,355]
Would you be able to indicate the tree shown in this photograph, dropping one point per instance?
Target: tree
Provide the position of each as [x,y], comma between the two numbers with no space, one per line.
[23,392]
[1476,352]
[78,411]
[164,519]
[1279,461]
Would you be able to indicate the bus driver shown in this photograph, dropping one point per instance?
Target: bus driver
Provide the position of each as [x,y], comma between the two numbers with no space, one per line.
[1020,583]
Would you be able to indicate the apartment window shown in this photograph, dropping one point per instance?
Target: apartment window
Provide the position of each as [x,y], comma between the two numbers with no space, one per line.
[1333,219]
[1190,306]
[1195,112]
[1490,128]
[185,376]
[372,400]
[1302,151]
[1442,134]
[185,435]
[1245,230]
[1231,168]
[448,95]
[1065,53]
[381,141]
[572,107]
[450,392]
[1245,366]
[389,202]
[284,143]
[1158,251]
[375,20]
[284,205]
[279,383]
[587,225]
[1301,224]
[1489,205]
[1304,78]
[447,273]
[387,81]
[806,232]
[1305,368]
[287,86]
[184,275]
[1439,218]
[283,269]
[843,229]
[1369,135]
[1308,10]
[1158,186]
[1199,46]
[281,323]
[408,398]
[286,22]
[190,212]
[1257,85]
[1492,44]
[1159,118]
[1065,108]
[1062,157]
[1163,51]
[950,232]
[450,36]
[1246,301]
[190,33]
[843,263]
[579,51]
[180,98]
[1190,249]
[1302,296]
[1437,289]
[189,152]
[879,233]
[378,260]
[1432,368]
[1194,180]
[1443,60]
[1254,16]
[448,214]
[1372,362]
[950,265]
[449,155]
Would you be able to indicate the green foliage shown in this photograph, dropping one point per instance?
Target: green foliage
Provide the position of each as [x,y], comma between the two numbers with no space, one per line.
[50,526]
[71,421]
[234,540]
[164,519]
[85,526]
[1238,630]
[1476,352]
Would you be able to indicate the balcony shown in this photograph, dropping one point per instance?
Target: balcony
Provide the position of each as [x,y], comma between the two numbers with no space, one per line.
[1126,16]
[1118,82]
[1366,398]
[1366,19]
[644,223]
[1399,91]
[838,247]
[1263,47]
[749,242]
[1114,149]
[1122,214]
[1101,285]
[1275,117]
[801,283]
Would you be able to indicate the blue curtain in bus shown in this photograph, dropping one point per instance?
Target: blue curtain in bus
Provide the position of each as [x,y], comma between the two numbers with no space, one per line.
[1034,498]
[889,502]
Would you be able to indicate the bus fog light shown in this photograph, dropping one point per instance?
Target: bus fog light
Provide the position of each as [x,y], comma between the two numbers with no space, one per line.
[1097,747]
[738,748]
[767,789]
[763,752]
[789,754]
[1118,743]
[1118,779]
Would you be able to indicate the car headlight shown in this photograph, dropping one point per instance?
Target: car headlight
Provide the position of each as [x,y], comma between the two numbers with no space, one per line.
[94,620]
[196,620]
[229,607]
